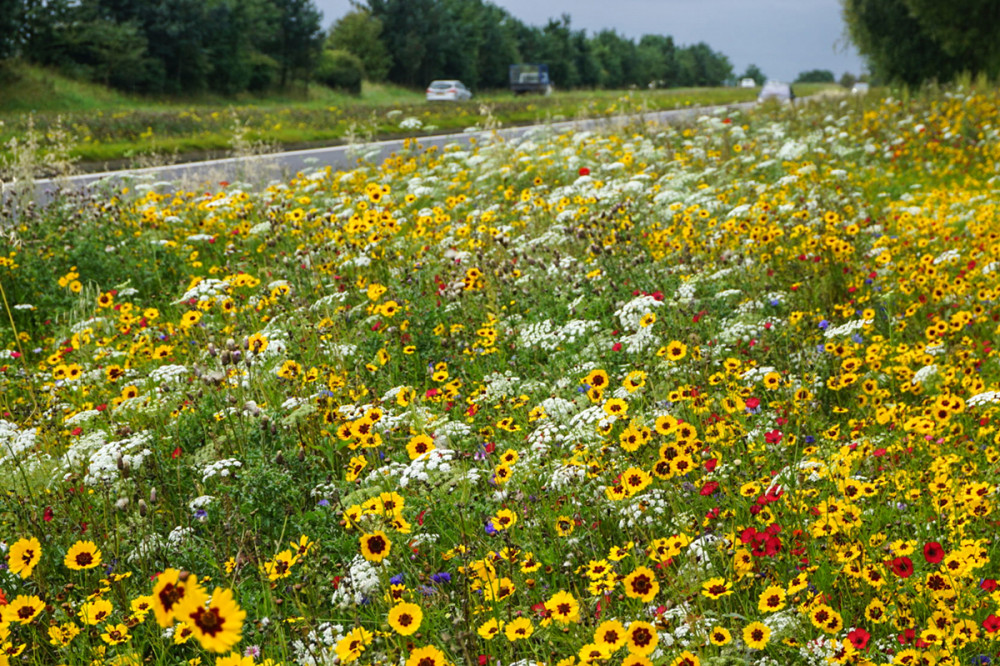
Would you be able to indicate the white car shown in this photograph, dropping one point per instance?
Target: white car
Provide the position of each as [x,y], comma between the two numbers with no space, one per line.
[748,83]
[776,90]
[447,91]
[860,88]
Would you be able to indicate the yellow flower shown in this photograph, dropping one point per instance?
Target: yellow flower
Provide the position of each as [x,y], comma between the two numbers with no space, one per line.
[405,618]
[23,609]
[641,584]
[641,638]
[217,622]
[563,607]
[610,635]
[518,629]
[96,611]
[115,634]
[756,635]
[234,659]
[489,629]
[168,593]
[83,555]
[426,656]
[375,546]
[24,555]
[353,644]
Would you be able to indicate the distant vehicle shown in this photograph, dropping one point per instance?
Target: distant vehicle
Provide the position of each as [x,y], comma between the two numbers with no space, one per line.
[776,90]
[447,91]
[530,79]
[748,83]
[860,88]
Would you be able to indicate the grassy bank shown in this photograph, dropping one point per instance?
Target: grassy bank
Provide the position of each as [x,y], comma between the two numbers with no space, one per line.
[111,128]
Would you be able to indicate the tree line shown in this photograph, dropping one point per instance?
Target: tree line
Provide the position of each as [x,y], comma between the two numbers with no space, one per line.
[231,46]
[912,41]
[167,46]
[412,42]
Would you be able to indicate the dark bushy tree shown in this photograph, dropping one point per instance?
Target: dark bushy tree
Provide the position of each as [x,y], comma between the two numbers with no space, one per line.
[815,76]
[340,70]
[358,32]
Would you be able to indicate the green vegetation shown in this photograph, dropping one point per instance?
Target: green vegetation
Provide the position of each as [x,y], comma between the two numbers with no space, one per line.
[123,130]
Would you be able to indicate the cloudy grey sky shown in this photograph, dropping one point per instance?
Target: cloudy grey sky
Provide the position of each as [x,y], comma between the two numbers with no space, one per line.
[782,37]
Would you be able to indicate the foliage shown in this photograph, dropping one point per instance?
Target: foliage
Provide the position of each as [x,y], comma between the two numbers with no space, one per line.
[898,45]
[815,76]
[723,392]
[754,72]
[357,32]
[340,70]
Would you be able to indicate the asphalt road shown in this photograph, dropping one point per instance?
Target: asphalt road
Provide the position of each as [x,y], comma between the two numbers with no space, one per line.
[263,168]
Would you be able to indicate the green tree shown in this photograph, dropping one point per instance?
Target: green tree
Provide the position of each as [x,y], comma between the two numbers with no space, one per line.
[297,39]
[340,70]
[358,32]
[968,30]
[657,61]
[10,18]
[753,72]
[895,45]
[815,76]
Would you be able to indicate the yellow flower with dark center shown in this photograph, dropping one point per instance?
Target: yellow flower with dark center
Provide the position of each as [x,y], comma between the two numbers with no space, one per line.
[563,607]
[281,565]
[426,656]
[96,611]
[61,635]
[615,407]
[518,629]
[636,659]
[756,635]
[641,638]
[686,658]
[234,659]
[115,634]
[405,618]
[504,519]
[610,635]
[715,588]
[351,646]
[24,555]
[375,546]
[771,599]
[720,636]
[83,555]
[489,629]
[419,445]
[641,584]
[168,592]
[217,622]
[23,609]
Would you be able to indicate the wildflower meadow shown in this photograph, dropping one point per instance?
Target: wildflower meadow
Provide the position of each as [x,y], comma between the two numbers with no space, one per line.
[719,393]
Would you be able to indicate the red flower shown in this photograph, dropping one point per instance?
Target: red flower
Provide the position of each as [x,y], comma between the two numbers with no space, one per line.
[902,567]
[859,638]
[709,488]
[584,171]
[47,516]
[176,454]
[933,552]
[991,624]
[753,403]
[988,584]
[616,347]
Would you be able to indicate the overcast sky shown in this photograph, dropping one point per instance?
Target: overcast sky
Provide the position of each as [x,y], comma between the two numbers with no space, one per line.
[782,37]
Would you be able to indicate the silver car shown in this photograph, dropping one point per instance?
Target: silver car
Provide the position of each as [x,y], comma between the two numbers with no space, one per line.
[447,91]
[776,90]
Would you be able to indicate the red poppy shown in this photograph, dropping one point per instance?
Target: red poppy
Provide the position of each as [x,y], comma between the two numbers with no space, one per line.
[933,552]
[584,171]
[859,638]
[988,584]
[709,488]
[991,624]
[902,567]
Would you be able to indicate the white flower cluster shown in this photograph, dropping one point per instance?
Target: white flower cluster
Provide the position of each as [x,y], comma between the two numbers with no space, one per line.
[499,385]
[14,442]
[546,335]
[166,374]
[565,475]
[924,373]
[847,328]
[206,289]
[200,502]
[361,581]
[632,312]
[223,468]
[973,401]
[820,651]
[558,409]
[320,646]
[646,508]
[419,469]
[81,417]
[410,123]
[101,457]
[179,537]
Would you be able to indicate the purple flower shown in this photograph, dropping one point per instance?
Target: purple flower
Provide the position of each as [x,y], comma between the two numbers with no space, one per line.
[489,527]
[441,577]
[323,502]
[397,579]
[823,324]
[200,514]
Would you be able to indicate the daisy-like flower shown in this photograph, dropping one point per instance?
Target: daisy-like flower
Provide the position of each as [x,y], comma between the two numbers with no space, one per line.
[351,646]
[375,546]
[83,555]
[426,656]
[720,636]
[756,635]
[518,629]
[23,609]
[235,659]
[610,635]
[168,593]
[116,634]
[217,622]
[641,638]
[504,519]
[405,618]
[24,556]
[563,607]
[771,600]
[419,445]
[96,611]
[489,629]
[686,658]
[641,584]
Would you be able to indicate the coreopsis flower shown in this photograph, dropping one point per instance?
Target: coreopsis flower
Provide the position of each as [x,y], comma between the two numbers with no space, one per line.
[375,546]
[96,611]
[217,621]
[756,635]
[83,555]
[610,635]
[116,634]
[771,599]
[405,618]
[641,638]
[24,556]
[168,593]
[716,588]
[23,609]
[426,656]
[419,445]
[720,636]
[563,607]
[641,584]
[518,629]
